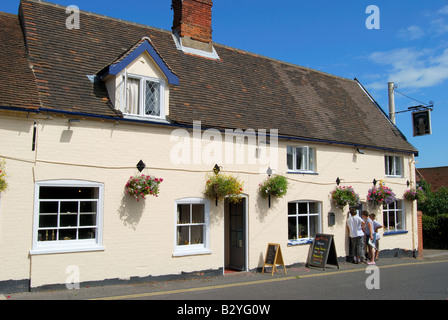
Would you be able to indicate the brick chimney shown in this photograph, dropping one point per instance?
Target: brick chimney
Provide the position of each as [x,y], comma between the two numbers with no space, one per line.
[193,23]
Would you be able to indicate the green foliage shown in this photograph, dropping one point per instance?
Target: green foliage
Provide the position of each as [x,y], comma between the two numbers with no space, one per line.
[435,217]
[3,184]
[221,185]
[341,196]
[277,186]
[436,202]
[140,186]
[435,231]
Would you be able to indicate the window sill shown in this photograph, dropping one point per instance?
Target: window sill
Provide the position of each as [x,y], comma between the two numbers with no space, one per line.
[302,172]
[191,252]
[65,249]
[300,242]
[390,233]
[145,118]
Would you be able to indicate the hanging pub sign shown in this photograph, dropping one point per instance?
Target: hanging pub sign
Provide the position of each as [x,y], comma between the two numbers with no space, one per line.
[421,123]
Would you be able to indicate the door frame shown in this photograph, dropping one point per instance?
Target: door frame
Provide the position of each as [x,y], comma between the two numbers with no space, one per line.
[227,234]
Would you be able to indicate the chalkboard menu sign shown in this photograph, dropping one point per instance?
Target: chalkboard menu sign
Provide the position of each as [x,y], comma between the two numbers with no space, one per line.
[323,252]
[274,257]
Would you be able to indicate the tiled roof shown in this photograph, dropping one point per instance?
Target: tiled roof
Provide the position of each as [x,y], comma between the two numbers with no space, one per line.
[436,177]
[17,84]
[240,90]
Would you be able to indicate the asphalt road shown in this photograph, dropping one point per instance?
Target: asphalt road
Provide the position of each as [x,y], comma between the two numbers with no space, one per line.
[392,279]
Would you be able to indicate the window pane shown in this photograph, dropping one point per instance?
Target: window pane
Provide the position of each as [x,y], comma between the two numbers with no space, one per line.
[183,236]
[311,159]
[299,158]
[49,207]
[314,226]
[56,193]
[290,158]
[303,227]
[183,214]
[391,216]
[313,207]
[303,208]
[292,228]
[197,233]
[87,233]
[47,235]
[152,99]
[292,208]
[69,207]
[198,213]
[398,170]
[133,96]
[400,221]
[67,234]
[87,220]
[68,220]
[48,221]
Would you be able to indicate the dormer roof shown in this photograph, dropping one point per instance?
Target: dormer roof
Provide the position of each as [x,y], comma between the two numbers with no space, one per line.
[128,56]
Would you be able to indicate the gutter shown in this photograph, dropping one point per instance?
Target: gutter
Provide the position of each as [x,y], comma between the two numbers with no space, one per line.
[189,126]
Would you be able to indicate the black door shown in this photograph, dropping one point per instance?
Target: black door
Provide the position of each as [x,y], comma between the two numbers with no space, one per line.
[237,235]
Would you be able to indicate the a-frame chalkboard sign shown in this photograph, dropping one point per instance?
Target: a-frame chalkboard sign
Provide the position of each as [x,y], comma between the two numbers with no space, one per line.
[274,257]
[323,252]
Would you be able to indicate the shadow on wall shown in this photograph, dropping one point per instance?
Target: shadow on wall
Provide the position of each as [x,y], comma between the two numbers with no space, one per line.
[131,211]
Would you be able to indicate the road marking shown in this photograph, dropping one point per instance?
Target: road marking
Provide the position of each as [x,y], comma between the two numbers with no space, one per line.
[250,283]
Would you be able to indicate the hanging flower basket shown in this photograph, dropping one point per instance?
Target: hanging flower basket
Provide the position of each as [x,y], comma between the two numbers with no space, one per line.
[219,186]
[415,194]
[276,185]
[380,196]
[3,184]
[343,196]
[140,186]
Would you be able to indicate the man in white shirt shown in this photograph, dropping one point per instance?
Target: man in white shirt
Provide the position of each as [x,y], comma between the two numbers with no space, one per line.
[355,225]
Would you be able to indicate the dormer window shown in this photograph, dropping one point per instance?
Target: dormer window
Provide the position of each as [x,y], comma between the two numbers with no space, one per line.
[143,96]
[138,82]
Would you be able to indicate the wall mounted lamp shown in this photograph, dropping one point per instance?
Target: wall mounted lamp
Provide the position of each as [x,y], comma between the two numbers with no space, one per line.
[360,151]
[217,169]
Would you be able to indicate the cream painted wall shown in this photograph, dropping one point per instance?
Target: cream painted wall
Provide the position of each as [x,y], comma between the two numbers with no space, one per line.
[139,236]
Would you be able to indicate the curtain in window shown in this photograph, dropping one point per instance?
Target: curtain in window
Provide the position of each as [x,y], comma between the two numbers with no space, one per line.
[133,96]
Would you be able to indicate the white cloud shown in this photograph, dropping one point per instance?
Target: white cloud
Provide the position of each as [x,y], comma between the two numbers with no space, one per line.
[444,10]
[437,26]
[411,33]
[412,68]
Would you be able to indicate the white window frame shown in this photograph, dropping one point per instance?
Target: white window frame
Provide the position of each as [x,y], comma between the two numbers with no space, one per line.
[308,158]
[399,209]
[142,95]
[193,249]
[308,214]
[65,246]
[397,165]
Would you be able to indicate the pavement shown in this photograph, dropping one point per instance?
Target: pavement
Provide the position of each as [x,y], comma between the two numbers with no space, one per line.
[163,289]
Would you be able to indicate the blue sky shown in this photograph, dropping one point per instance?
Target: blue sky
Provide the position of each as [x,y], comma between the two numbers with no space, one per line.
[410,48]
